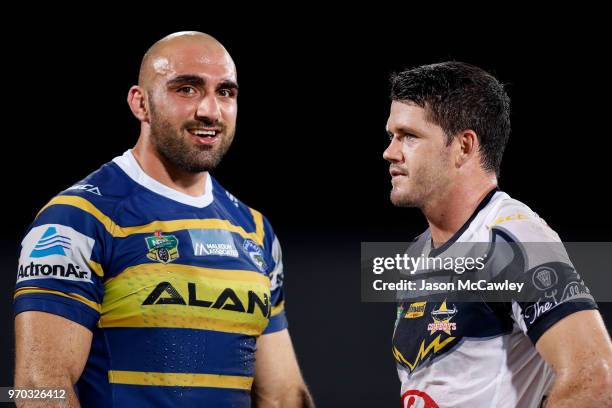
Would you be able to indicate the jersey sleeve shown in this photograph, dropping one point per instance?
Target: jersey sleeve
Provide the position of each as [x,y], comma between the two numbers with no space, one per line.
[60,267]
[553,289]
[278,319]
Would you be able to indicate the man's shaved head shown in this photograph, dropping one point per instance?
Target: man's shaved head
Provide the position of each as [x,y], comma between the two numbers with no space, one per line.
[186,100]
[163,56]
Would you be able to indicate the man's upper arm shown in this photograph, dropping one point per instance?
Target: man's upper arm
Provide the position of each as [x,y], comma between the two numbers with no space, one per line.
[552,288]
[578,339]
[558,313]
[61,262]
[49,350]
[278,381]
[579,350]
[58,291]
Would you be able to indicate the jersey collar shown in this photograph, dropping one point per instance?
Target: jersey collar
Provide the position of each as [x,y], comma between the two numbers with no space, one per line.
[127,162]
[483,203]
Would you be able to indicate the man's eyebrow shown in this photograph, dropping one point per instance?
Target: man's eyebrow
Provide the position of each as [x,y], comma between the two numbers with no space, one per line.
[404,131]
[228,84]
[199,81]
[186,79]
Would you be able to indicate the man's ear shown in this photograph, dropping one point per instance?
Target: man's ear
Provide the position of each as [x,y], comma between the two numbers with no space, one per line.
[137,100]
[468,145]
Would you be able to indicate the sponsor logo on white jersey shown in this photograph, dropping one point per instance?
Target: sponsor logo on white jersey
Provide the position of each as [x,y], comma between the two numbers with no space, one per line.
[54,251]
[418,399]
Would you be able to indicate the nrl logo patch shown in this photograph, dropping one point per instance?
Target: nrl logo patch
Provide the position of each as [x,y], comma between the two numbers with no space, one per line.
[162,248]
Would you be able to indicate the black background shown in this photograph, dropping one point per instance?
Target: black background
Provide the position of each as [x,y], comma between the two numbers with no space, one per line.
[308,149]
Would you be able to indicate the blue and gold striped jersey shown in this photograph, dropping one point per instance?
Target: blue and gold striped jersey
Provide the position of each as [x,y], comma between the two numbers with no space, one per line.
[176,289]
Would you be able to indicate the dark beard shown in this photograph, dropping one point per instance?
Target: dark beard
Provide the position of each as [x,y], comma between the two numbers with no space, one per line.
[176,150]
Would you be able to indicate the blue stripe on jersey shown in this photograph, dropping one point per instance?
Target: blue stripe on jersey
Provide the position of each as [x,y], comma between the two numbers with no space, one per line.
[276,323]
[89,291]
[181,351]
[61,306]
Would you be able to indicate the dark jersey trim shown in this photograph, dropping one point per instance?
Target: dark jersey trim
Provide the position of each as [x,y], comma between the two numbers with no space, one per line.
[555,315]
[455,237]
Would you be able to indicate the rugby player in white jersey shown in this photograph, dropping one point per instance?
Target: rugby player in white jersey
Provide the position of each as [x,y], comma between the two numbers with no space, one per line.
[448,126]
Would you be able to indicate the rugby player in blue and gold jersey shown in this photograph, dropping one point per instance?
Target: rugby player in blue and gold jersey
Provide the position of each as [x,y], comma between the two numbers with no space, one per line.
[147,283]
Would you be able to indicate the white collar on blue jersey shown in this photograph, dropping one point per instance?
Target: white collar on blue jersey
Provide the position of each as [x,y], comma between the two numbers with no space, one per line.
[127,162]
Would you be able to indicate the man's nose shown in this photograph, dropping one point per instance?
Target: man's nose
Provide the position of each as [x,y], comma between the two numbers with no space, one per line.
[393,153]
[209,108]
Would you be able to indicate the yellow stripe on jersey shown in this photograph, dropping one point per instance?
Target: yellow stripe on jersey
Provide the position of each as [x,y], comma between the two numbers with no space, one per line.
[190,271]
[180,379]
[163,226]
[176,225]
[32,289]
[185,296]
[278,308]
[84,205]
[96,267]
[259,227]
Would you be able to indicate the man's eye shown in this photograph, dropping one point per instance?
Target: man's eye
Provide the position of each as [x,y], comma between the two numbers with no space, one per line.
[226,92]
[188,90]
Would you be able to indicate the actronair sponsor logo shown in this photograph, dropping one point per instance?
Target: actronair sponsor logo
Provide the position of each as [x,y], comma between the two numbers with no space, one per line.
[34,270]
[55,251]
[51,243]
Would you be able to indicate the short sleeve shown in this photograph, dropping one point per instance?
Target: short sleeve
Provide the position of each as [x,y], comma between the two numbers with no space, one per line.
[60,265]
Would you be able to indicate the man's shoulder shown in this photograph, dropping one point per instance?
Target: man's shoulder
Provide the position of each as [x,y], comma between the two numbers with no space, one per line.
[517,219]
[97,194]
[108,182]
[230,202]
[248,217]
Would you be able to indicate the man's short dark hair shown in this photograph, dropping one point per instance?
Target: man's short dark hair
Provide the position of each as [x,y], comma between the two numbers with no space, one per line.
[459,96]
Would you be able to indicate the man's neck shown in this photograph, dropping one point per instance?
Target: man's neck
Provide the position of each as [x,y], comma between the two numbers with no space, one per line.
[156,167]
[449,212]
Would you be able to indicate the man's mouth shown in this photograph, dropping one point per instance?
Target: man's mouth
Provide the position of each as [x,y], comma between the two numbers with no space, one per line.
[396,172]
[205,136]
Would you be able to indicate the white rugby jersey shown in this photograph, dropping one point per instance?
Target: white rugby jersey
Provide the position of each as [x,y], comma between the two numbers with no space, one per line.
[482,354]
